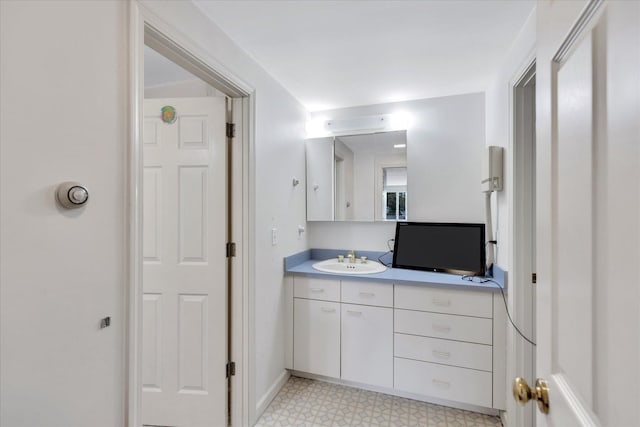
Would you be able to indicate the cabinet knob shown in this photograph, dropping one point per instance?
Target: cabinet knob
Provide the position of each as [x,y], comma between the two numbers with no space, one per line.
[441,328]
[441,302]
[441,383]
[441,354]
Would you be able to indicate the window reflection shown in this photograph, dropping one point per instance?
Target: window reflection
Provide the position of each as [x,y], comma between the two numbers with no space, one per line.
[394,193]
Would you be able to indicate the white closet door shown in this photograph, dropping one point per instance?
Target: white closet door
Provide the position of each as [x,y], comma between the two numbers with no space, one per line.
[184,275]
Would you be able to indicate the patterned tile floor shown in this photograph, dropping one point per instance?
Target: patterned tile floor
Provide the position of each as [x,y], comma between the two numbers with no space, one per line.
[308,403]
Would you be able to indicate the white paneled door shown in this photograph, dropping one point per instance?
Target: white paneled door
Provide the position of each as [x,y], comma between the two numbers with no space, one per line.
[587,299]
[184,274]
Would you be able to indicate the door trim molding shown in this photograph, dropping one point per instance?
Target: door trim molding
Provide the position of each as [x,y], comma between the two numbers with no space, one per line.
[523,314]
[145,25]
[577,29]
[576,403]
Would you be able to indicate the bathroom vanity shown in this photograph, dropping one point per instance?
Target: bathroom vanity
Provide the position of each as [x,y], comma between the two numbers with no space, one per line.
[428,336]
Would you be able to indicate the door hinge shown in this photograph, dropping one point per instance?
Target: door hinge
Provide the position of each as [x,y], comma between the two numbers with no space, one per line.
[231,249]
[231,130]
[534,278]
[231,369]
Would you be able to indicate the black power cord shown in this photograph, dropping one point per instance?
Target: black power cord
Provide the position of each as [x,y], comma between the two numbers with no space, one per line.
[504,298]
[383,255]
[390,251]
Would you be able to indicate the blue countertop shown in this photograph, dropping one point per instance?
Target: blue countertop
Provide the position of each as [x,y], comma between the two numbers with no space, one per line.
[301,263]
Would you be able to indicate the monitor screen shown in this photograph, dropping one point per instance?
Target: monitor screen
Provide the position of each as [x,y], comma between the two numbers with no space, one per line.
[444,247]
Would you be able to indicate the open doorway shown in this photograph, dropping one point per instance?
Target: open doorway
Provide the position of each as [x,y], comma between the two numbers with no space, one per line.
[524,234]
[185,325]
[189,323]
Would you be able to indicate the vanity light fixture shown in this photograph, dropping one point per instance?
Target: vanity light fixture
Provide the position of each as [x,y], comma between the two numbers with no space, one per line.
[399,145]
[358,124]
[400,120]
[315,128]
[320,127]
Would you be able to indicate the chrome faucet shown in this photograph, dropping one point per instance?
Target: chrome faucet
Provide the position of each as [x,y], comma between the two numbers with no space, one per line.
[352,257]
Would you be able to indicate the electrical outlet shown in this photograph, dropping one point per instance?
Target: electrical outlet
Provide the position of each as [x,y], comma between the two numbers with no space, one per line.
[274,236]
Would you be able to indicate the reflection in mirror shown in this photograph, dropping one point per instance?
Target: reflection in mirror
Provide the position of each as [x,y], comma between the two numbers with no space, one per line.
[369,174]
[394,193]
[320,179]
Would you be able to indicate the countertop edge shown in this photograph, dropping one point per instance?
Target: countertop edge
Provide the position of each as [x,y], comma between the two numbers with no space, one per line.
[301,264]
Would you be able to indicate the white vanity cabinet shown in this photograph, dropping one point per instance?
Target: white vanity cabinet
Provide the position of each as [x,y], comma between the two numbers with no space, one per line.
[316,332]
[367,333]
[352,340]
[444,343]
[316,337]
[420,341]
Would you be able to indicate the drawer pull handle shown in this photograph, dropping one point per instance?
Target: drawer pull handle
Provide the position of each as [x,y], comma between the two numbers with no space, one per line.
[317,290]
[328,310]
[355,313]
[367,294]
[441,354]
[440,383]
[441,328]
[441,302]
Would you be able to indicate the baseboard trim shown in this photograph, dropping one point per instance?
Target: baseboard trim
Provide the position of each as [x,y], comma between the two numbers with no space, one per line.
[504,417]
[277,385]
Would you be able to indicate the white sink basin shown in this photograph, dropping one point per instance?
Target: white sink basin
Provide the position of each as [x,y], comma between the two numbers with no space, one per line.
[333,266]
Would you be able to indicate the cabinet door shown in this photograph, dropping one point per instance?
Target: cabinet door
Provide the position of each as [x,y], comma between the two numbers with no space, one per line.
[367,344]
[435,325]
[367,293]
[320,179]
[314,288]
[444,382]
[447,301]
[316,337]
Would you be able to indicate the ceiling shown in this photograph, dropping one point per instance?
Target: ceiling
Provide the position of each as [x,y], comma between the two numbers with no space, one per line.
[334,54]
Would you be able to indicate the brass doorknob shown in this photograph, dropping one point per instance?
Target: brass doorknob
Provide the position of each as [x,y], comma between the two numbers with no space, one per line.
[522,393]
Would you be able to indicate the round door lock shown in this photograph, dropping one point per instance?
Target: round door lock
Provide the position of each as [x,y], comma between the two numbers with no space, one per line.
[72,195]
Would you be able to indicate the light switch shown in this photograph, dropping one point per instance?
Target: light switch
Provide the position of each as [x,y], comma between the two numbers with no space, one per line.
[274,236]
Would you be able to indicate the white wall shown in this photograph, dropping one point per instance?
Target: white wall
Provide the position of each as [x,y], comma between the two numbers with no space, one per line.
[63,115]
[499,125]
[279,155]
[499,130]
[444,143]
[65,109]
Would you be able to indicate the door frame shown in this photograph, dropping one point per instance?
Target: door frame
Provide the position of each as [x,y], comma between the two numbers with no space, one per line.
[172,43]
[522,363]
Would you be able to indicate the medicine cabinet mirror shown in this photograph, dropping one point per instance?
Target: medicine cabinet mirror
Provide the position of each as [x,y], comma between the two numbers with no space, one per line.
[357,177]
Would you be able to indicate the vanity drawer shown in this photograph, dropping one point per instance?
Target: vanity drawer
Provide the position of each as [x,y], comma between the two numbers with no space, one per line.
[447,352]
[464,302]
[435,325]
[367,293]
[443,382]
[319,289]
